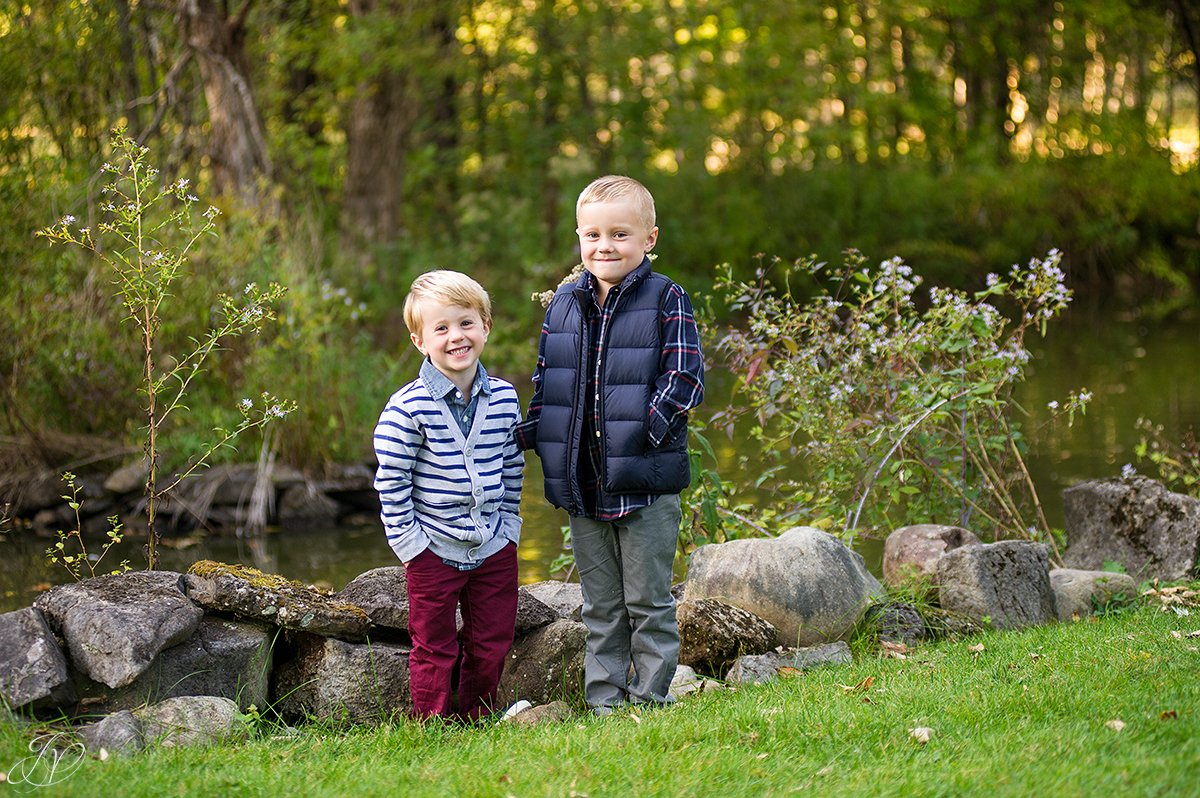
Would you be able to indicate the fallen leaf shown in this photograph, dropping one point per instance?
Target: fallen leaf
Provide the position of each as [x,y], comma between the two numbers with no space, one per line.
[788,672]
[1169,714]
[1033,655]
[505,778]
[635,718]
[3,777]
[976,649]
[865,684]
[921,734]
[893,650]
[1176,635]
[1115,724]
[761,756]
[103,754]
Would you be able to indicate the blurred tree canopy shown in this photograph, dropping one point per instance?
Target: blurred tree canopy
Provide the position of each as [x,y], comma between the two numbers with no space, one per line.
[364,141]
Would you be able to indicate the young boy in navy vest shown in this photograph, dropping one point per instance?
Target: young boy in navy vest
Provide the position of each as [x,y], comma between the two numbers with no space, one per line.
[619,367]
[449,482]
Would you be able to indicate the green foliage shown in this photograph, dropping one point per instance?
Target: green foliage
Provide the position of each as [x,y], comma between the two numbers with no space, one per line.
[875,408]
[1177,463]
[70,550]
[145,242]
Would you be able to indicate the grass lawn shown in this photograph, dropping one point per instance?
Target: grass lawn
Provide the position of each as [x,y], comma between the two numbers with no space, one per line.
[1105,706]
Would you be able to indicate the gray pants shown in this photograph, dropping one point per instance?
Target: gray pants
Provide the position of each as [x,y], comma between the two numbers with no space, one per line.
[625,571]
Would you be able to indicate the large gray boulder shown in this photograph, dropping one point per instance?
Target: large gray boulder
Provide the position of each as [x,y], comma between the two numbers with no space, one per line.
[1080,593]
[805,582]
[1007,582]
[33,668]
[532,614]
[116,625]
[911,552]
[189,721]
[759,668]
[712,634]
[255,596]
[336,680]
[565,598]
[224,657]
[546,665]
[118,733]
[1152,532]
[383,594]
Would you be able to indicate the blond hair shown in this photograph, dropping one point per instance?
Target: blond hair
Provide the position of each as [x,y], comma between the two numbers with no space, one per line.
[446,288]
[618,188]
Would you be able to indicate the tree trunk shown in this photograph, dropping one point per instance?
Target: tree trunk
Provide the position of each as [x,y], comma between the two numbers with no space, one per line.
[237,146]
[398,108]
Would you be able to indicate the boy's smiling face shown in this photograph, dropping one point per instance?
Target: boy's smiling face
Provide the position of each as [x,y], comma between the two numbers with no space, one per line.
[613,239]
[452,337]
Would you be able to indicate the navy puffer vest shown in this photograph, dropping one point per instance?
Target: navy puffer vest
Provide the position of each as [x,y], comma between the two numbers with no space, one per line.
[631,355]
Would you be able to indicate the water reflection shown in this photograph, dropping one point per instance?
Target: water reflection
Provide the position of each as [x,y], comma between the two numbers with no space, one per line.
[1132,369]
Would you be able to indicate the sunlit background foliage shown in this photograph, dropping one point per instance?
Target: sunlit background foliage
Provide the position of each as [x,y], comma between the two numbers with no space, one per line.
[352,144]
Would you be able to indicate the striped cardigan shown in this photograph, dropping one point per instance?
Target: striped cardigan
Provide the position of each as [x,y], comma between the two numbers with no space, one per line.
[459,496]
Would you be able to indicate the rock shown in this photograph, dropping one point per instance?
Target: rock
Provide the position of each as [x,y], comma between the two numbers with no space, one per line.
[304,505]
[224,657]
[532,614]
[129,478]
[30,492]
[805,582]
[33,668]
[335,680]
[255,596]
[554,712]
[352,486]
[897,622]
[911,552]
[686,681]
[1152,532]
[546,665]
[116,625]
[1081,593]
[1007,582]
[712,634]
[565,598]
[759,668]
[383,594]
[189,720]
[119,733]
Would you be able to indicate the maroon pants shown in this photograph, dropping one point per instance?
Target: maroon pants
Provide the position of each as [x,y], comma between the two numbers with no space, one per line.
[488,595]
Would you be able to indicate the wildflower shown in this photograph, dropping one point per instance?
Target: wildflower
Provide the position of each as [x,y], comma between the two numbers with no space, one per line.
[1128,471]
[1053,405]
[245,404]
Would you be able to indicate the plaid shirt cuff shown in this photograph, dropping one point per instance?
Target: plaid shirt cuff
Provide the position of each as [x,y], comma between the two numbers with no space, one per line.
[525,434]
[660,430]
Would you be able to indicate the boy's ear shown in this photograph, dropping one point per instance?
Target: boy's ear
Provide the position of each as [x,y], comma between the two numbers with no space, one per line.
[418,343]
[651,238]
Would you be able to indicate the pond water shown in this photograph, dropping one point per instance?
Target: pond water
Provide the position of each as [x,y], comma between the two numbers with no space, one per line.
[1133,368]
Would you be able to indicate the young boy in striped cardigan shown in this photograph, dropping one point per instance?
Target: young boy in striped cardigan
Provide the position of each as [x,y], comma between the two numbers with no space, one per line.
[449,482]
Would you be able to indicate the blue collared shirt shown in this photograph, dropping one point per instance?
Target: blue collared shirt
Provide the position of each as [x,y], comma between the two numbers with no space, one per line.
[461,407]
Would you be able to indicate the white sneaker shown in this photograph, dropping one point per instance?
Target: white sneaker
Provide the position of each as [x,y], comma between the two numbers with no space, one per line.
[516,709]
